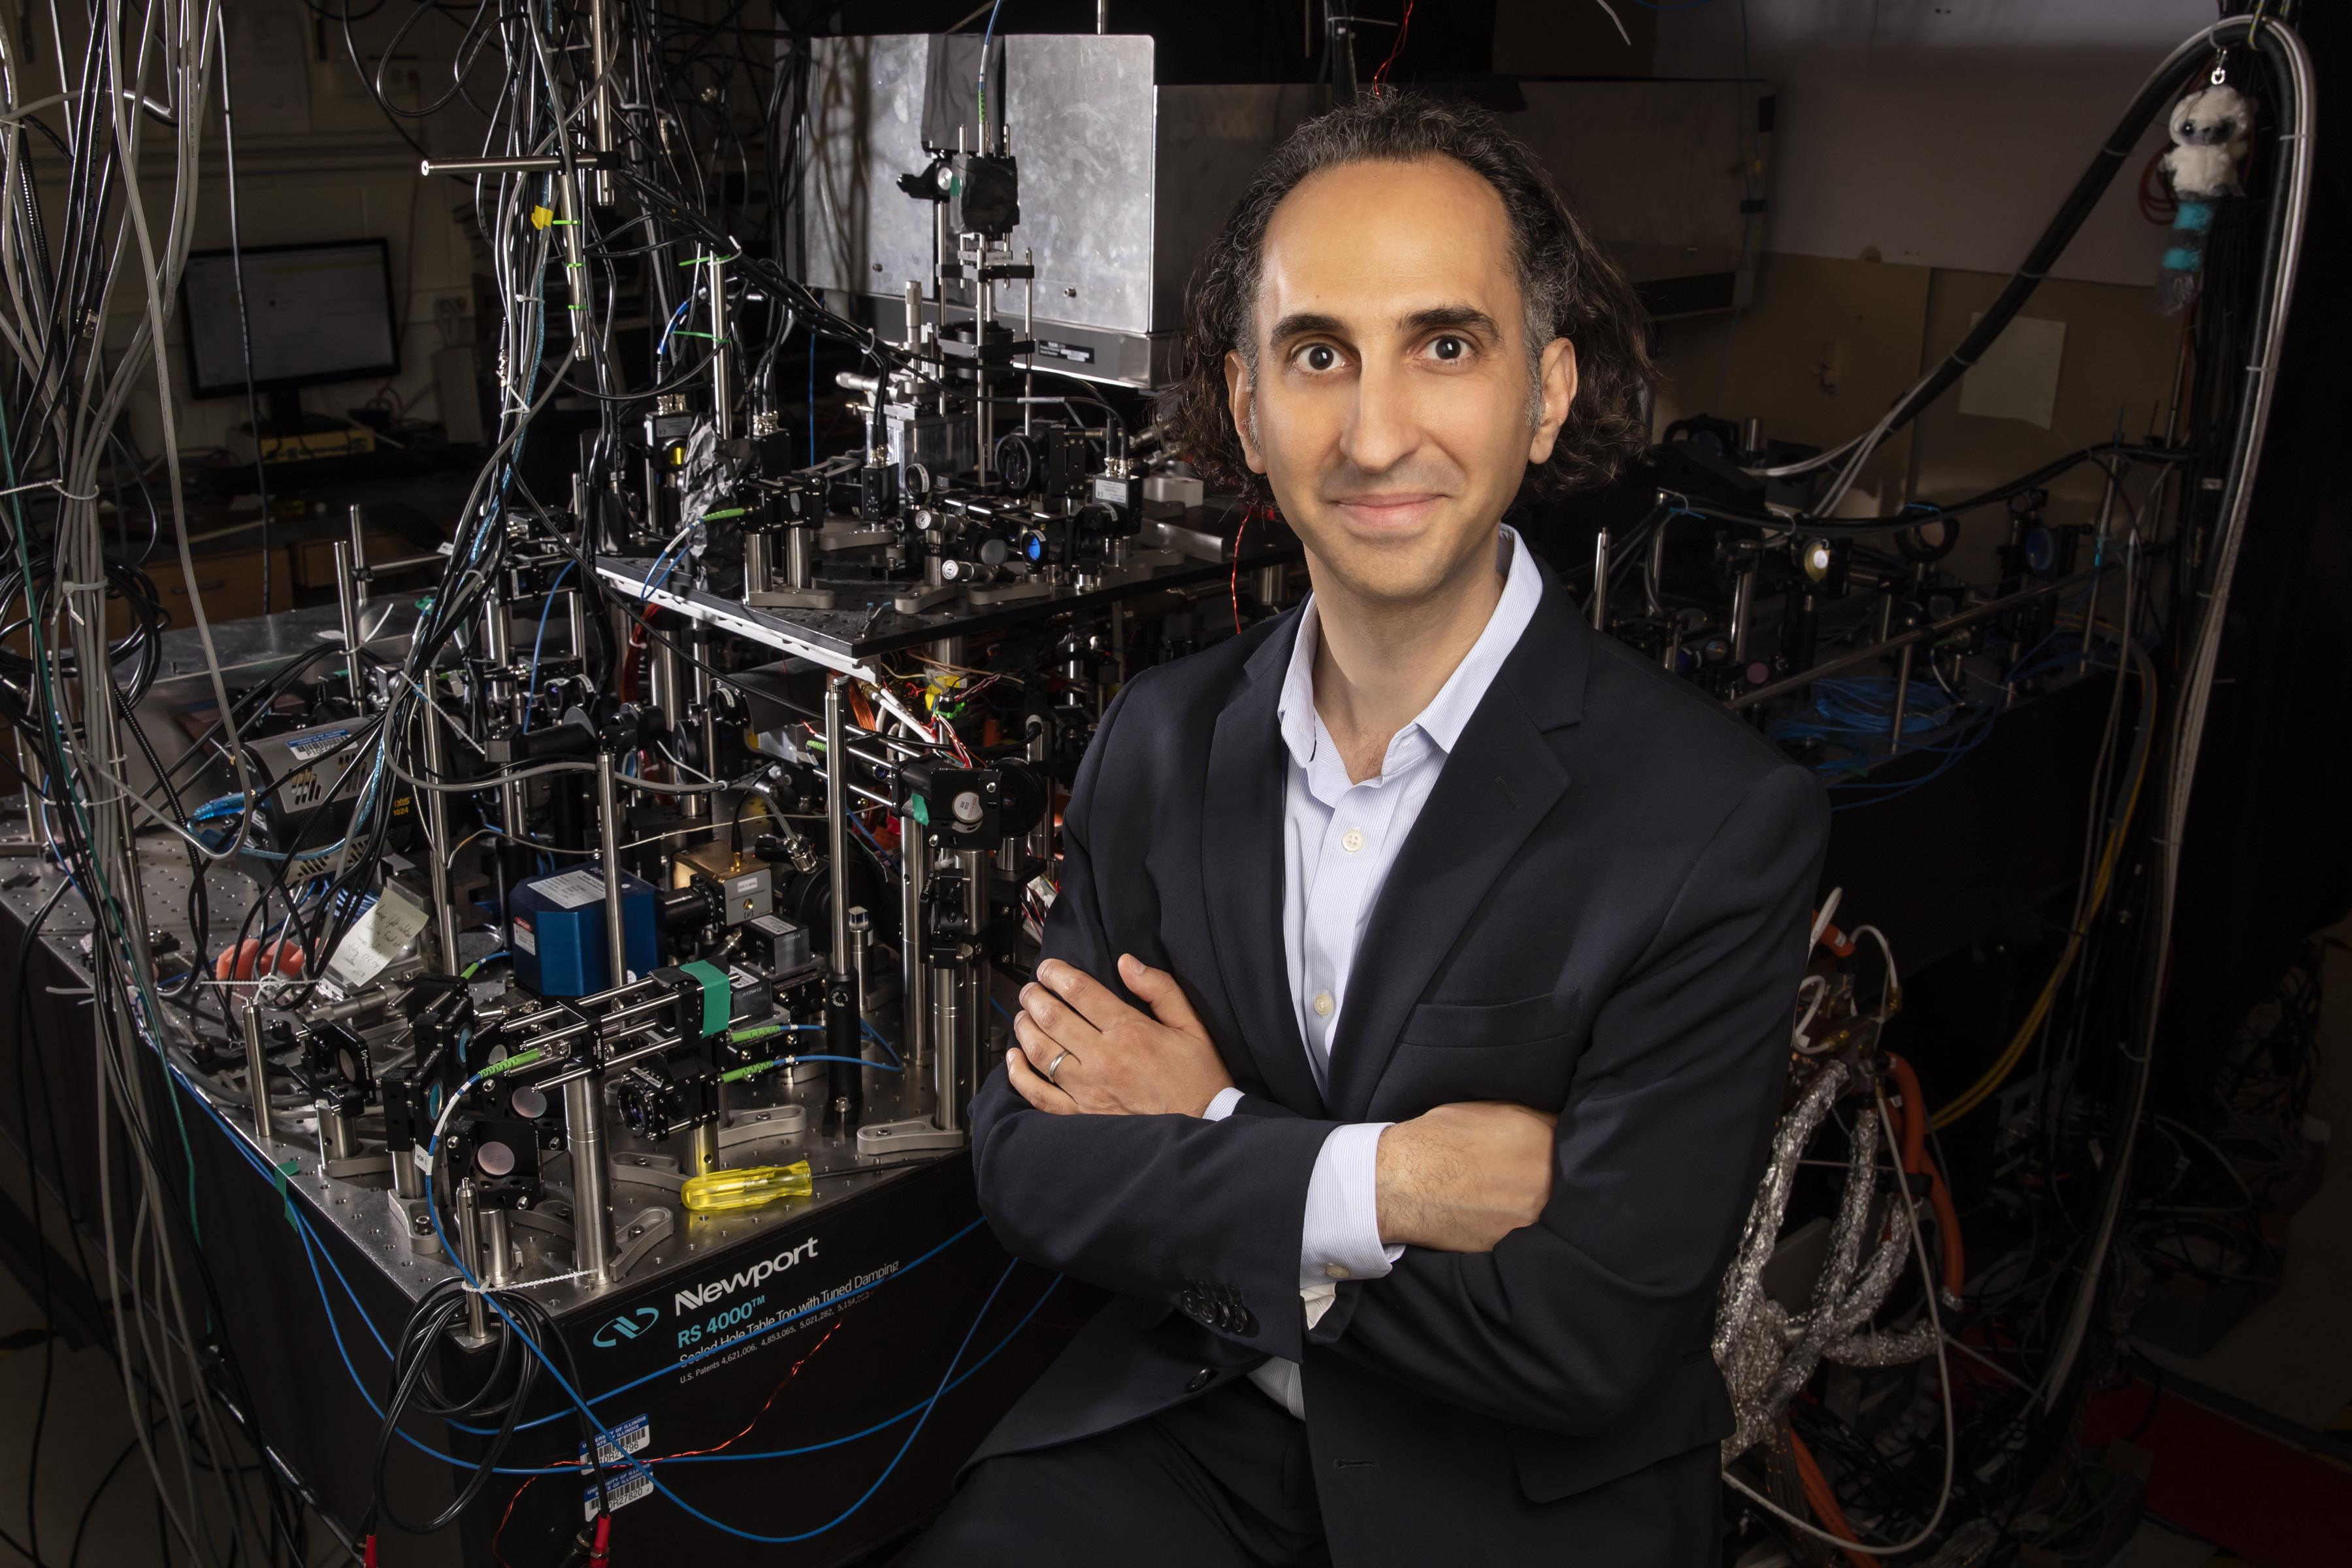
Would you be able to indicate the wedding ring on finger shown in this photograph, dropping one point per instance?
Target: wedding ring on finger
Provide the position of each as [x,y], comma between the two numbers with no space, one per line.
[1056,1067]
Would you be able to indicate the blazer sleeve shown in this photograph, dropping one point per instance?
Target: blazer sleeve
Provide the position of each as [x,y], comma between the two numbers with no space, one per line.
[1567,1322]
[1205,1216]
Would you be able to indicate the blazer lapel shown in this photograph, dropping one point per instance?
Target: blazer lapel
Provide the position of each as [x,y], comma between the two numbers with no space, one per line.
[1504,776]
[1242,874]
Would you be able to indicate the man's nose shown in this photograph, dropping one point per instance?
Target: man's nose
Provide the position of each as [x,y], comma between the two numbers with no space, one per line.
[1383,429]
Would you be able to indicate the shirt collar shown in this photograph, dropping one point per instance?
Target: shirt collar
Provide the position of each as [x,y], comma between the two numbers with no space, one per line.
[1450,710]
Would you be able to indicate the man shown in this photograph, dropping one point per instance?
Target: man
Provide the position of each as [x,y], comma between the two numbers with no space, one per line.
[1416,1003]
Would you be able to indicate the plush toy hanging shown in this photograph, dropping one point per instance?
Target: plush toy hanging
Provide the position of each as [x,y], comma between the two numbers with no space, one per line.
[2210,129]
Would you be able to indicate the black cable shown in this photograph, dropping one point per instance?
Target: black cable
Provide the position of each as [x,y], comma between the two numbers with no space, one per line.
[245,322]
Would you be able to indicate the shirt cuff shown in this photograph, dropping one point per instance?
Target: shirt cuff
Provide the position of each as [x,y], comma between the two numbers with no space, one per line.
[1342,1234]
[1223,1105]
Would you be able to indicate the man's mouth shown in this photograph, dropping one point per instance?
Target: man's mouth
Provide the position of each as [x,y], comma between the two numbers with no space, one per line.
[1389,509]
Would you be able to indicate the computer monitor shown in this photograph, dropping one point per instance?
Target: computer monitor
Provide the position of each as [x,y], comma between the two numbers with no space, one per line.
[317,313]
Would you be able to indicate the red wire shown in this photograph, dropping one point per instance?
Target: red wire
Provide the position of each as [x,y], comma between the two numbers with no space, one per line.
[603,1520]
[1381,76]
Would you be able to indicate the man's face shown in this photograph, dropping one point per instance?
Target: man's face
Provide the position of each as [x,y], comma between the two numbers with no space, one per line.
[1390,407]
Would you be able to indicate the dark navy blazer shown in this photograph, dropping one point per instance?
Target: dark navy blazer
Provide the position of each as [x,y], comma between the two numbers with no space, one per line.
[1603,911]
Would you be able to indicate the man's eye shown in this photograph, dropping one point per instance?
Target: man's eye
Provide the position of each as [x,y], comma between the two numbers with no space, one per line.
[1318,356]
[1450,348]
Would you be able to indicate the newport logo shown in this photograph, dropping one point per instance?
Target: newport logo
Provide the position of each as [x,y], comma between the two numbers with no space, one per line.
[627,1326]
[717,1290]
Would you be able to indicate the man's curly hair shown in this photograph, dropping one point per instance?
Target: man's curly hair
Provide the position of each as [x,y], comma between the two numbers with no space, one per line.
[1571,290]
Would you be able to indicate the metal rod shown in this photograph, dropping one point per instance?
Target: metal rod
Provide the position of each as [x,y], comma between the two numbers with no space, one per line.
[497,652]
[575,615]
[948,1103]
[539,164]
[940,288]
[800,556]
[407,1177]
[836,820]
[844,1081]
[608,812]
[1743,610]
[861,947]
[1880,649]
[358,554]
[497,1254]
[723,391]
[591,1176]
[704,1155]
[470,1247]
[706,721]
[575,255]
[405,563]
[759,573]
[1601,580]
[256,1072]
[983,310]
[436,822]
[1041,838]
[915,861]
[600,109]
[974,1027]
[32,797]
[346,587]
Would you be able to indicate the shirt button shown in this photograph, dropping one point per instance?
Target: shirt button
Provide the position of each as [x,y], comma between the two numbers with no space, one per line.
[1335,1270]
[1352,840]
[1322,1003]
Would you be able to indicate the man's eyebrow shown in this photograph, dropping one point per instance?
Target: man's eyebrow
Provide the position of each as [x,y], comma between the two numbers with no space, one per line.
[1304,324]
[1459,318]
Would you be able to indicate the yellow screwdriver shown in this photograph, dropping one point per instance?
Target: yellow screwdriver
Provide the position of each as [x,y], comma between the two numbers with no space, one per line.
[747,1188]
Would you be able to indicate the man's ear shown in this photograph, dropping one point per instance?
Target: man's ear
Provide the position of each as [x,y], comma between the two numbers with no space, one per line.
[1556,379]
[1241,395]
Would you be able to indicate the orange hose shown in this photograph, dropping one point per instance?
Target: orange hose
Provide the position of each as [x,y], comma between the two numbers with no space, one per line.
[1913,1121]
[1824,1502]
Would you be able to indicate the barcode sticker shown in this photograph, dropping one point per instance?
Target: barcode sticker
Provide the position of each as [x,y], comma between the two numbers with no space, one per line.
[620,1491]
[631,1437]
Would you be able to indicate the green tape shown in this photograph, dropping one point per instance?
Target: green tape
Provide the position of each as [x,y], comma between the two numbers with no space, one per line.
[277,1175]
[717,994]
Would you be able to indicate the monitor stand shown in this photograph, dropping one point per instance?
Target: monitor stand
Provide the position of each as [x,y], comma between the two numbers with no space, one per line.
[288,434]
[285,418]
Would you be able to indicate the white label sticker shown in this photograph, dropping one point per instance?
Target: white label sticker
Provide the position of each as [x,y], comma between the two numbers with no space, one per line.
[574,889]
[632,1436]
[522,938]
[380,935]
[620,1491]
[317,745]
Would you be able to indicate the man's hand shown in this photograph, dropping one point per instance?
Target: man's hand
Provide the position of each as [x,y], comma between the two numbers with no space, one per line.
[1459,1178]
[1083,1049]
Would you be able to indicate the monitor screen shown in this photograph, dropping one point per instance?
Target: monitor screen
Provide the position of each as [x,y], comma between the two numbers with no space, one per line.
[317,313]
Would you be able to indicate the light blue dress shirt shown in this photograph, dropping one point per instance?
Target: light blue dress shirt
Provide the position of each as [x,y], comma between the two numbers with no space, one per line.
[1338,841]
